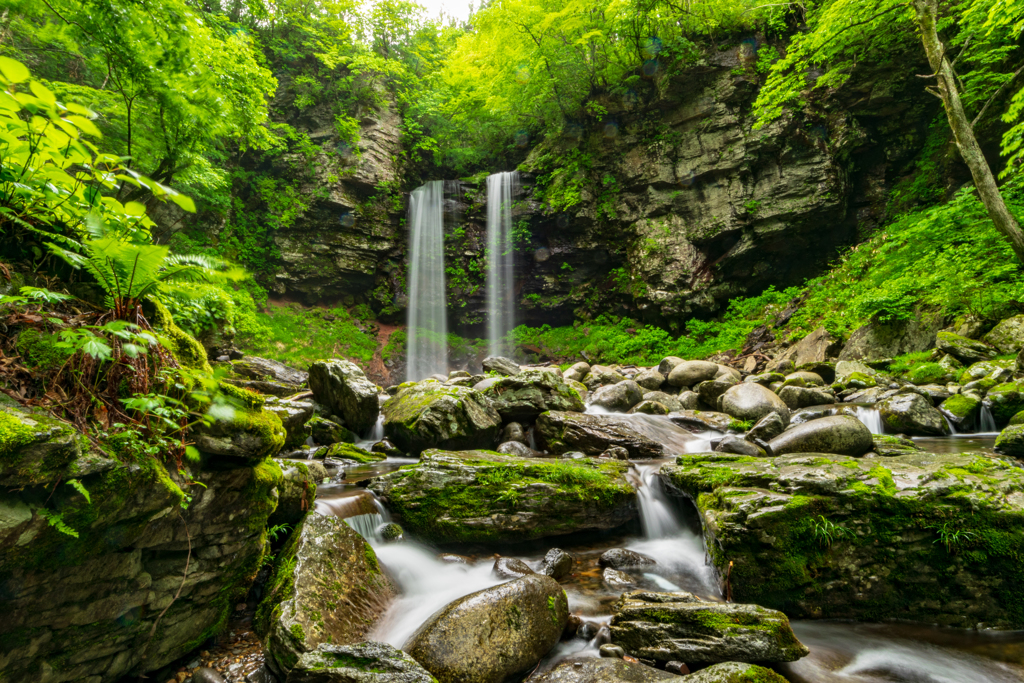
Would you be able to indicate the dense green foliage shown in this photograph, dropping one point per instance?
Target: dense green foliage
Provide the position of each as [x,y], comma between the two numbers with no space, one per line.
[298,336]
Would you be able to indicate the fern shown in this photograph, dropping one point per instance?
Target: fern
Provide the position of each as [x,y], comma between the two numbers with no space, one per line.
[80,487]
[56,520]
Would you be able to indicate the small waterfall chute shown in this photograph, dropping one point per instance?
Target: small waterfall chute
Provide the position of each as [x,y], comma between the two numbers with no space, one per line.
[501,189]
[871,418]
[427,344]
[986,421]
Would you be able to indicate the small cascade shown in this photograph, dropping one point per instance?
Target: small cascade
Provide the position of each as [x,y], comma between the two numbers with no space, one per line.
[501,188]
[871,418]
[427,350]
[656,516]
[376,434]
[986,421]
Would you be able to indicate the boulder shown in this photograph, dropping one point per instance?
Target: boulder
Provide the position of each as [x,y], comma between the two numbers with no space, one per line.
[1019,362]
[1008,335]
[351,452]
[617,580]
[767,428]
[326,432]
[649,379]
[1011,441]
[877,340]
[808,378]
[497,634]
[863,527]
[668,400]
[962,411]
[577,372]
[560,432]
[680,626]
[650,408]
[514,431]
[840,434]
[711,389]
[750,402]
[704,420]
[888,445]
[518,449]
[251,434]
[668,364]
[964,349]
[343,388]
[557,564]
[692,372]
[510,568]
[1005,400]
[734,672]
[502,366]
[481,496]
[618,397]
[327,587]
[524,396]
[982,369]
[34,445]
[600,375]
[845,368]
[912,414]
[432,415]
[297,490]
[801,397]
[620,558]
[928,373]
[818,346]
[740,446]
[360,663]
[294,415]
[581,669]
[254,367]
[766,379]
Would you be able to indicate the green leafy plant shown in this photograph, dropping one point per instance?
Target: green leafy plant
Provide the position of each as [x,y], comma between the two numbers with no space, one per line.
[826,532]
[953,536]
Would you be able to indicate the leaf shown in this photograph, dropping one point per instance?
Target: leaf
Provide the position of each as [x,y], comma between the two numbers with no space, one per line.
[183,201]
[80,487]
[42,92]
[135,209]
[97,348]
[13,71]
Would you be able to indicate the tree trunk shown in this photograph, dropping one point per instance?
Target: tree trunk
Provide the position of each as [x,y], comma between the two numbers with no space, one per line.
[927,10]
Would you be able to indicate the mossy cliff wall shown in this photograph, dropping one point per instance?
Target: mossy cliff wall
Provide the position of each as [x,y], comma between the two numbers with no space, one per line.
[81,609]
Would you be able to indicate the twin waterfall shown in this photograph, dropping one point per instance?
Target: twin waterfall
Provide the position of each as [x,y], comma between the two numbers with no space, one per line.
[427,345]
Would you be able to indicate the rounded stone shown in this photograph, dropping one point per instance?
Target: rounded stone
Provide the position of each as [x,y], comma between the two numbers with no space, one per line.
[511,568]
[618,397]
[839,434]
[912,414]
[692,372]
[609,650]
[751,401]
[617,558]
[557,564]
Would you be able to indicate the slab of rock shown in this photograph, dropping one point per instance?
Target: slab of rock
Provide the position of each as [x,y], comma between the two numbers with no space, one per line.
[888,445]
[912,414]
[818,346]
[618,397]
[577,372]
[481,496]
[254,367]
[294,416]
[750,401]
[731,672]
[343,388]
[433,415]
[561,432]
[510,568]
[962,411]
[703,420]
[839,434]
[690,373]
[650,408]
[861,527]
[495,634]
[680,626]
[603,670]
[518,449]
[963,349]
[524,396]
[731,443]
[251,434]
[502,366]
[35,445]
[367,662]
[802,397]
[668,400]
[619,558]
[327,587]
[876,340]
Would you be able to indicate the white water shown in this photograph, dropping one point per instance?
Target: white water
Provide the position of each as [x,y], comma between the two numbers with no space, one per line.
[501,188]
[871,418]
[987,422]
[375,435]
[427,346]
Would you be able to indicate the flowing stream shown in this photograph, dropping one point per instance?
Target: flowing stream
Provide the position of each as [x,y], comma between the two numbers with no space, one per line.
[501,188]
[427,350]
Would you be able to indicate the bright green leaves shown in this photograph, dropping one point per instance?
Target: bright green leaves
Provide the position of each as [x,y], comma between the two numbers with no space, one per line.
[13,72]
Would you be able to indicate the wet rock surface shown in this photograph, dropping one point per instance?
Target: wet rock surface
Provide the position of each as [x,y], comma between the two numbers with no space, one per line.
[433,415]
[527,394]
[751,401]
[343,388]
[840,434]
[864,528]
[912,414]
[561,432]
[492,635]
[602,670]
[482,496]
[679,626]
[359,663]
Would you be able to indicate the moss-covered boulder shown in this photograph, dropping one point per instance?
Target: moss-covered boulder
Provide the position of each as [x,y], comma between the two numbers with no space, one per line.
[327,587]
[294,414]
[249,433]
[481,496]
[889,445]
[962,411]
[983,369]
[681,627]
[912,414]
[360,663]
[326,432]
[1008,335]
[561,432]
[524,396]
[1011,441]
[928,373]
[343,388]
[497,634]
[297,490]
[841,434]
[964,349]
[34,447]
[735,672]
[1005,400]
[921,537]
[347,451]
[584,669]
[433,415]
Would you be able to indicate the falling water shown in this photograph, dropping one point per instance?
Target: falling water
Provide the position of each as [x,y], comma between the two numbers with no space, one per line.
[427,352]
[656,516]
[501,188]
[871,418]
[988,423]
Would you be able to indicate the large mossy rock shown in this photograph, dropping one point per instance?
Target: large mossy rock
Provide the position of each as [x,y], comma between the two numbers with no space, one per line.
[79,608]
[294,416]
[581,669]
[963,349]
[1005,400]
[343,388]
[481,496]
[360,663]
[327,587]
[1011,441]
[681,627]
[250,434]
[877,340]
[1008,335]
[434,415]
[524,396]
[962,411]
[495,635]
[297,491]
[921,537]
[912,414]
[840,434]
[561,432]
[34,447]
[735,672]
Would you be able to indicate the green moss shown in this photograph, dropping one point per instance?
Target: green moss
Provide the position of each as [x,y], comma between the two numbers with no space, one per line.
[186,350]
[298,634]
[927,373]
[347,451]
[40,350]
[14,435]
[1017,419]
[885,480]
[960,405]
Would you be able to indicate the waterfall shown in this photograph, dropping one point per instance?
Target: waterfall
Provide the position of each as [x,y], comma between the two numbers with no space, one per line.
[501,187]
[427,351]
[871,418]
[656,516]
[988,423]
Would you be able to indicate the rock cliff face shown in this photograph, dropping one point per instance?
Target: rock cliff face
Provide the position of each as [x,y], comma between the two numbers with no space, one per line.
[665,209]
[82,608]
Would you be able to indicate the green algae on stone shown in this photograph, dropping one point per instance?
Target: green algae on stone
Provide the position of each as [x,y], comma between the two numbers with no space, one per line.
[892,562]
[347,451]
[1011,441]
[252,433]
[482,496]
[433,415]
[1005,400]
